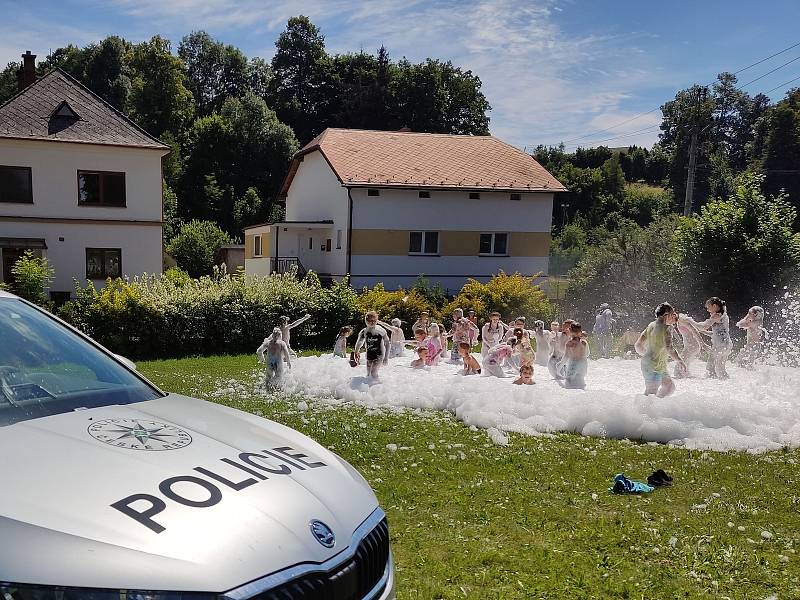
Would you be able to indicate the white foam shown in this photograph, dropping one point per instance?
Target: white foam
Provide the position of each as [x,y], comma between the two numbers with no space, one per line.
[753,411]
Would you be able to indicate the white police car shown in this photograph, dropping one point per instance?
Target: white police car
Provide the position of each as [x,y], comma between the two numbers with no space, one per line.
[113,489]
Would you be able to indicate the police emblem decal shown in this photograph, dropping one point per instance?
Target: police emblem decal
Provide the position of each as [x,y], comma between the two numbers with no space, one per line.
[322,533]
[139,434]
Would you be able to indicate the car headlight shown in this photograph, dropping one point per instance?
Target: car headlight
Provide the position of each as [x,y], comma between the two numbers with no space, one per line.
[13,591]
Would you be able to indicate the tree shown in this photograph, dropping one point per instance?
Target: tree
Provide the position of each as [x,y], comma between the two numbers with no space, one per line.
[247,209]
[171,219]
[106,72]
[71,59]
[214,71]
[259,77]
[781,153]
[196,246]
[739,248]
[159,99]
[32,275]
[302,87]
[8,81]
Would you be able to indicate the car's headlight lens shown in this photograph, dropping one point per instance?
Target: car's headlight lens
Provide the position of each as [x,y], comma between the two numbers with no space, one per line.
[12,591]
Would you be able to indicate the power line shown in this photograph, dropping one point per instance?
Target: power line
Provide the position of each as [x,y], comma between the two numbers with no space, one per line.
[640,115]
[623,135]
[781,85]
[770,72]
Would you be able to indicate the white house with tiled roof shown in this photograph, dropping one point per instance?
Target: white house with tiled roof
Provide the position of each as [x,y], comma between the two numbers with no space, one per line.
[79,183]
[387,207]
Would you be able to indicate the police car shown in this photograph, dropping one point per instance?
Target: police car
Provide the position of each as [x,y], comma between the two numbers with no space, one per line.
[113,489]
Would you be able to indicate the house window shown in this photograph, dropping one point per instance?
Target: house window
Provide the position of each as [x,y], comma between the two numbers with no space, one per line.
[373,192]
[15,185]
[256,245]
[474,196]
[96,188]
[424,194]
[516,197]
[328,245]
[423,242]
[338,239]
[102,263]
[494,244]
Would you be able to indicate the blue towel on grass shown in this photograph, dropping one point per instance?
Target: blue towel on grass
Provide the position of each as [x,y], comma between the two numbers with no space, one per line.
[623,485]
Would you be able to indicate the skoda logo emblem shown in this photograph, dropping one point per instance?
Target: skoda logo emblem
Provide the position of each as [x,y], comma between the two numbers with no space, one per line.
[322,533]
[139,434]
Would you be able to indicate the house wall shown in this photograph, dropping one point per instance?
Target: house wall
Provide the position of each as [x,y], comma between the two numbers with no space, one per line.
[55,213]
[140,247]
[382,225]
[316,194]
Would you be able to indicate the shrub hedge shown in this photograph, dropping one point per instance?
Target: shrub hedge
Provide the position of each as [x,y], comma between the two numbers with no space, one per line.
[174,315]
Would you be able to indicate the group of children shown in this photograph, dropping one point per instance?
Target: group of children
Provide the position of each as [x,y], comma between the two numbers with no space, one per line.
[513,349]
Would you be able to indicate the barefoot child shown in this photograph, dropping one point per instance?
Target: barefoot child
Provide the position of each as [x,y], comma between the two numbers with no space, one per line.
[340,347]
[277,352]
[525,376]
[719,325]
[688,328]
[576,353]
[556,363]
[471,366]
[753,324]
[287,327]
[423,322]
[376,341]
[436,344]
[655,347]
[462,330]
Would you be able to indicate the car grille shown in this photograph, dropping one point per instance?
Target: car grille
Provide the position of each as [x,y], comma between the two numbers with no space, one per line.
[352,580]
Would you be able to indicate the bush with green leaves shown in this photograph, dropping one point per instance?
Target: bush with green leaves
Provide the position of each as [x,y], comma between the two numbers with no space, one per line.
[196,245]
[511,295]
[400,304]
[169,315]
[32,275]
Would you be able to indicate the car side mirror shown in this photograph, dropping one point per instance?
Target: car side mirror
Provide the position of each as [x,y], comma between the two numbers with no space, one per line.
[126,361]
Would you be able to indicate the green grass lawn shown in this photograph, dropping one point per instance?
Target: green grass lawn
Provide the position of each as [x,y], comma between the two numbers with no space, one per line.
[534,519]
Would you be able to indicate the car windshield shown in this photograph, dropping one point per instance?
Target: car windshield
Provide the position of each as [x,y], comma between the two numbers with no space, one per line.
[47,369]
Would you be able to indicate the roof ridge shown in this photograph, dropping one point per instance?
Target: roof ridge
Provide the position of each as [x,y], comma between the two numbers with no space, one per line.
[397,131]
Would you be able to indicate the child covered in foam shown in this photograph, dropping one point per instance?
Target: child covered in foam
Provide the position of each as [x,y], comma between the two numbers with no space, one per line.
[576,353]
[753,324]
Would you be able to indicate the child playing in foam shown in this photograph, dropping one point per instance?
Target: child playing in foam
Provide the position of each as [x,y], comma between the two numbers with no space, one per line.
[688,328]
[287,327]
[422,358]
[436,344]
[542,338]
[525,376]
[463,330]
[376,341]
[576,353]
[719,325]
[397,337]
[340,346]
[277,352]
[493,363]
[655,347]
[604,330]
[753,324]
[492,333]
[471,366]
[556,363]
[423,322]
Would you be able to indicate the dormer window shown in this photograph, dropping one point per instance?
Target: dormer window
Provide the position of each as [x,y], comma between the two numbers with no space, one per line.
[64,111]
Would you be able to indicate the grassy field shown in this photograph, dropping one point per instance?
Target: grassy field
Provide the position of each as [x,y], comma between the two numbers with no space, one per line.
[534,519]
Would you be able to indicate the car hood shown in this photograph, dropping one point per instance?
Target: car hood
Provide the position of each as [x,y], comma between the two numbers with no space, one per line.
[218,497]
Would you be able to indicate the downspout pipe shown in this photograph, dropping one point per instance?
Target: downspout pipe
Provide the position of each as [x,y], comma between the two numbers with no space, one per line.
[349,232]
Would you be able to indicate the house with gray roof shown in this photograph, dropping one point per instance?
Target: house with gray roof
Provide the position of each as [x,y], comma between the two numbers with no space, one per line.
[80,183]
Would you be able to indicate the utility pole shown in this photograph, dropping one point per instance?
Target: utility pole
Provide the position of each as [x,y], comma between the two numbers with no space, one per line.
[687,203]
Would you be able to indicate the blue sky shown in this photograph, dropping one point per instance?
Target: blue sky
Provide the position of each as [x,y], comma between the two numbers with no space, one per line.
[552,69]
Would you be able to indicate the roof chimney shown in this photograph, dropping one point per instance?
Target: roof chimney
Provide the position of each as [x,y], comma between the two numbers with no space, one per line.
[27,72]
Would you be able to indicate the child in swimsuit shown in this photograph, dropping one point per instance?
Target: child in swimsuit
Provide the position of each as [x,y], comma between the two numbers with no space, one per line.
[376,341]
[525,376]
[436,347]
[277,352]
[718,326]
[493,363]
[340,347]
[422,358]
[397,337]
[556,363]
[423,322]
[655,347]
[463,330]
[688,328]
[753,324]
[576,353]
[471,366]
[542,338]
[492,333]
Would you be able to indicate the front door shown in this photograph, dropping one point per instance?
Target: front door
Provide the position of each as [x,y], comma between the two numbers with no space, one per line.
[10,256]
[308,249]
